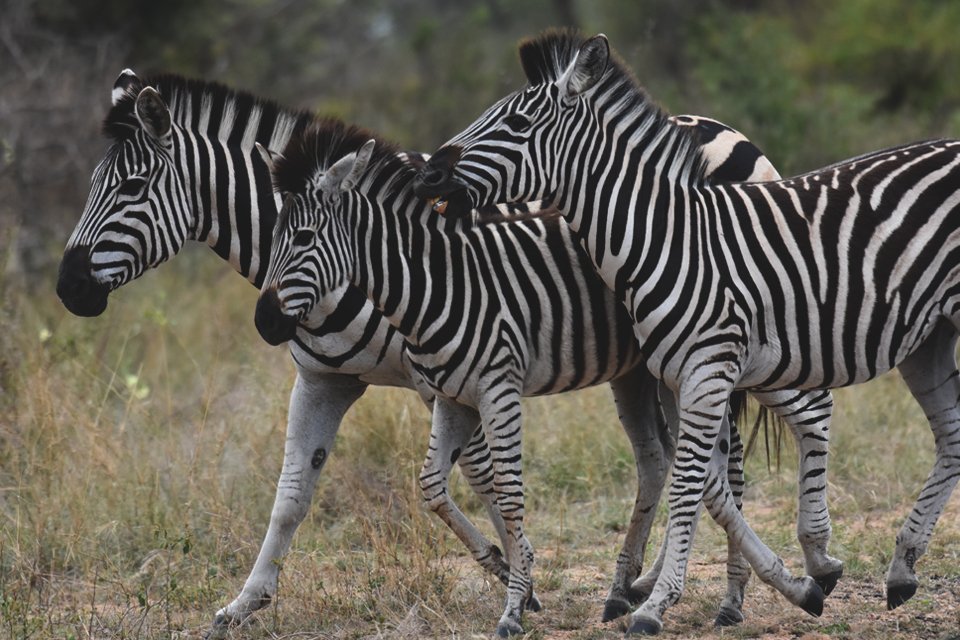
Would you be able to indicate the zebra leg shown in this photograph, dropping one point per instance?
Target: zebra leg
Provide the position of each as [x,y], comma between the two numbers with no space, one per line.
[476,466]
[932,376]
[635,395]
[700,474]
[318,403]
[808,414]
[730,612]
[502,421]
[738,569]
[450,432]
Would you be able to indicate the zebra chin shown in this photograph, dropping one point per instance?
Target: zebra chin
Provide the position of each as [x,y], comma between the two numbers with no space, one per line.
[274,326]
[79,292]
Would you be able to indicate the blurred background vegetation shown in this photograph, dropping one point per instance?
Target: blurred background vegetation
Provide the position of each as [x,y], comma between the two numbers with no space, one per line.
[139,450]
[811,81]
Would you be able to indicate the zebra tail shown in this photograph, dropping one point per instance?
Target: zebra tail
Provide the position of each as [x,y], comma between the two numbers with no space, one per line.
[769,423]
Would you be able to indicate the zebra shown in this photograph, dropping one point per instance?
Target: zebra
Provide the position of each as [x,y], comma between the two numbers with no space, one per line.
[823,280]
[182,167]
[479,328]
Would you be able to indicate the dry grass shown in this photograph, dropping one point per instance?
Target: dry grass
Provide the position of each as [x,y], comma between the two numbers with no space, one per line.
[138,455]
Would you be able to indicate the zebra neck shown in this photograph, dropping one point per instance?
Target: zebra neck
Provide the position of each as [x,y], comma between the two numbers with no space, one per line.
[235,204]
[654,168]
[231,187]
[407,265]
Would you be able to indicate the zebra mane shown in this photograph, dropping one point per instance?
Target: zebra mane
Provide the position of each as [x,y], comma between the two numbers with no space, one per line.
[545,58]
[326,140]
[187,97]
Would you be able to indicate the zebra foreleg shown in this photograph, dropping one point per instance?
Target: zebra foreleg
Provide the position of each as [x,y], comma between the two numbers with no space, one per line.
[700,474]
[932,376]
[317,405]
[450,442]
[502,421]
[637,403]
[730,611]
[477,467]
[808,415]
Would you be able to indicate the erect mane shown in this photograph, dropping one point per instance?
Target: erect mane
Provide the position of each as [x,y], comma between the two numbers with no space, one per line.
[544,58]
[326,140]
[185,96]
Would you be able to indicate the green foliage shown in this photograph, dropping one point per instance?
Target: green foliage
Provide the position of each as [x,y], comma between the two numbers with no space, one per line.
[139,451]
[819,81]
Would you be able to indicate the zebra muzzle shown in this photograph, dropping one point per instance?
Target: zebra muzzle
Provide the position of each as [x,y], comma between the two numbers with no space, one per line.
[274,326]
[77,289]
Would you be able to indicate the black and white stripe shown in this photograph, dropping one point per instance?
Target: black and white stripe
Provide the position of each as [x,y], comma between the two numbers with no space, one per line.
[182,166]
[491,310]
[823,280]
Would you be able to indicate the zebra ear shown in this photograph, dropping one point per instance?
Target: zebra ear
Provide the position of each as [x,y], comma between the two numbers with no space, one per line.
[345,172]
[127,84]
[153,114]
[586,69]
[269,157]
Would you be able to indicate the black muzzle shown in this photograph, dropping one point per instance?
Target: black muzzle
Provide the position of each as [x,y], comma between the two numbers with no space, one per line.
[79,292]
[274,326]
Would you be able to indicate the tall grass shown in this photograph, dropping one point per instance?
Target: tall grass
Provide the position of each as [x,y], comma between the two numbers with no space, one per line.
[139,453]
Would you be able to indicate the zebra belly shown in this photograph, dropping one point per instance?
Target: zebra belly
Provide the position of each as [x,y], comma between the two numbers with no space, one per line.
[556,373]
[877,342]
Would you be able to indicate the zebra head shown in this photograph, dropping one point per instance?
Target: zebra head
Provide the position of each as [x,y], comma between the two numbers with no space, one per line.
[311,254]
[508,154]
[133,218]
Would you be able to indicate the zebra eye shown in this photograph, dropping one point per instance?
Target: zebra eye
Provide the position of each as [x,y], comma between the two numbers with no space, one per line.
[517,123]
[131,187]
[302,238]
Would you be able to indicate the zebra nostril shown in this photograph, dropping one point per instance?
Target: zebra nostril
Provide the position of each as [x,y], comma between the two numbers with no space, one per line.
[434,176]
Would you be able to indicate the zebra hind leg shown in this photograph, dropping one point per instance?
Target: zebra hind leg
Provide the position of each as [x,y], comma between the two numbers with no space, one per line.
[808,414]
[730,612]
[932,376]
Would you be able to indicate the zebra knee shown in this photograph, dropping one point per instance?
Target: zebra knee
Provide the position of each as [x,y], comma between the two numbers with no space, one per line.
[290,511]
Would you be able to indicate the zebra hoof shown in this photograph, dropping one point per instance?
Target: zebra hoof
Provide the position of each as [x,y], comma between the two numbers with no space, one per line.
[727,617]
[509,628]
[637,596]
[644,627]
[812,603]
[533,603]
[221,624]
[899,593]
[829,581]
[613,609]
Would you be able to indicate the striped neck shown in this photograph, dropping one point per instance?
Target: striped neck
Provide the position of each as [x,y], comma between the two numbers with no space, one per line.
[233,204]
[409,260]
[636,157]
